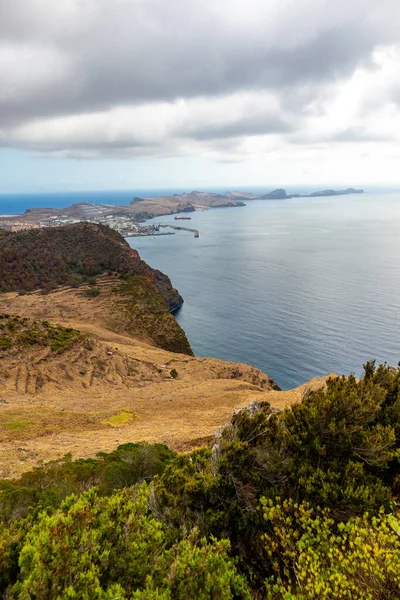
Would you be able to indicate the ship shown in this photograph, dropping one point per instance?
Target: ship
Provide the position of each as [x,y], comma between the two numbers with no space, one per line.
[182,218]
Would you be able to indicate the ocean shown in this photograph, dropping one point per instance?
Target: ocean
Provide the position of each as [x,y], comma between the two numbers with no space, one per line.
[297,287]
[11,204]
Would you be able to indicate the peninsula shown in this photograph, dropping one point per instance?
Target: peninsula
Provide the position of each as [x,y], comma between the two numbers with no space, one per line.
[127,219]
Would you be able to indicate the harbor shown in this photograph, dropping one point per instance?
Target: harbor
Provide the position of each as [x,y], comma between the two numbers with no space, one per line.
[194,231]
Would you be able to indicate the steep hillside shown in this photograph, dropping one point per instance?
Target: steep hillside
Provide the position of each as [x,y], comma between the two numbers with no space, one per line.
[98,267]
[69,390]
[69,255]
[79,388]
[91,357]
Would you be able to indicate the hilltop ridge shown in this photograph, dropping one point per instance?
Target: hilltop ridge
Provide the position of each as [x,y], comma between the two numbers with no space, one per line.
[197,200]
[134,297]
[45,258]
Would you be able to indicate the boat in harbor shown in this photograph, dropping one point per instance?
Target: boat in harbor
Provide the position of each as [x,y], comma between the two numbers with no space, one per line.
[182,218]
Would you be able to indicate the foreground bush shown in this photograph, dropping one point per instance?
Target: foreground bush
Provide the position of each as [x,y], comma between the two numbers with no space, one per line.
[314,558]
[296,505]
[47,486]
[337,449]
[96,547]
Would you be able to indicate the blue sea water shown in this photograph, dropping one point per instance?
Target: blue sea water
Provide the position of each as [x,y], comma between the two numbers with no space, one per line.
[14,204]
[297,287]
[11,204]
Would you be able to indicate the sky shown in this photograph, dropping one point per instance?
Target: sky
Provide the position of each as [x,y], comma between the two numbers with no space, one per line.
[133,94]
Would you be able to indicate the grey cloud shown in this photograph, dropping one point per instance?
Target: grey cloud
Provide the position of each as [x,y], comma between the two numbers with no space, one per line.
[247,126]
[129,52]
[360,134]
[93,55]
[231,160]
[95,152]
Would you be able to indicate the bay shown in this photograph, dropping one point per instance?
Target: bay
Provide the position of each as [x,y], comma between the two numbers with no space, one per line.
[296,287]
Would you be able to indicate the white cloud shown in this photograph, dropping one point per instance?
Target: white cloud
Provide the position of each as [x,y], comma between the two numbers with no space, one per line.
[186,125]
[362,107]
[252,81]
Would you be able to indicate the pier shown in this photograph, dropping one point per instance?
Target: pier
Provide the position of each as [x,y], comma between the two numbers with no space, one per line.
[194,231]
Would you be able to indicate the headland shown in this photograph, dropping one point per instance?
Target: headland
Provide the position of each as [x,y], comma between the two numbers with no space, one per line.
[128,220]
[91,356]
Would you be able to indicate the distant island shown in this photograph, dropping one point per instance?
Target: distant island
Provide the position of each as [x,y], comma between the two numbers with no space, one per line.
[126,219]
[280,194]
[337,192]
[196,200]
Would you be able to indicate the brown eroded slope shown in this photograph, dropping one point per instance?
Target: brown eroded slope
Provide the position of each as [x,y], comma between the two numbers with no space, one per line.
[93,364]
[104,388]
[130,307]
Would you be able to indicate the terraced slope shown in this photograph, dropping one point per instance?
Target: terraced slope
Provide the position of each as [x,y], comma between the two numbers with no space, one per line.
[99,360]
[80,387]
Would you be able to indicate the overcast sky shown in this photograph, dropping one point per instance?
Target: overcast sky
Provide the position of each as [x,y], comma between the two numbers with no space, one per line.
[110,94]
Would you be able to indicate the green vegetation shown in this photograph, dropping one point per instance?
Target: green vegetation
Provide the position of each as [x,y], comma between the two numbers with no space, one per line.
[114,540]
[74,255]
[17,425]
[293,505]
[17,332]
[92,292]
[71,255]
[319,558]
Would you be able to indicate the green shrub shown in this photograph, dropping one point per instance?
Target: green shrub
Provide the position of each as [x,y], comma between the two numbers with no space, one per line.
[92,292]
[5,342]
[20,332]
[291,499]
[92,545]
[313,557]
[338,449]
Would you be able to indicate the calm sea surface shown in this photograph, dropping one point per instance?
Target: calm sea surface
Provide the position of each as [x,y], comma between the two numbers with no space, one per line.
[297,287]
[17,203]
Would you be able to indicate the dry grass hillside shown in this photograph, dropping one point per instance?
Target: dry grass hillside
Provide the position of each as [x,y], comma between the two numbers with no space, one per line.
[91,357]
[73,380]
[122,306]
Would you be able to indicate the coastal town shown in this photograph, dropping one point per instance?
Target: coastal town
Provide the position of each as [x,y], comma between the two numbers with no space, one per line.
[130,220]
[127,225]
